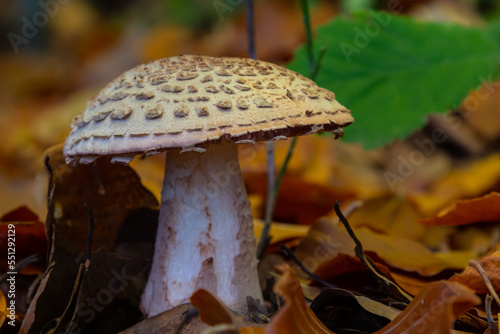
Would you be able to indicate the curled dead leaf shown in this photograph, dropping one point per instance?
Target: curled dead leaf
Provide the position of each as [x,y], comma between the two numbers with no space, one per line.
[433,310]
[295,317]
[212,310]
[471,278]
[480,209]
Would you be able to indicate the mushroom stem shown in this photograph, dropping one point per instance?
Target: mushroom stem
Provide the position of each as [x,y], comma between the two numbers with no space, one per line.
[205,235]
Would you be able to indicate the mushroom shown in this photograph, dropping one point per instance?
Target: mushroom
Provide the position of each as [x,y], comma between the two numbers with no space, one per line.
[198,108]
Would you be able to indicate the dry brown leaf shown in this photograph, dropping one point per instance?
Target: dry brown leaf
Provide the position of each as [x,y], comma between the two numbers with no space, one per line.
[481,209]
[434,310]
[462,182]
[29,235]
[471,278]
[216,314]
[295,317]
[119,202]
[411,284]
[212,310]
[344,263]
[327,240]
[299,201]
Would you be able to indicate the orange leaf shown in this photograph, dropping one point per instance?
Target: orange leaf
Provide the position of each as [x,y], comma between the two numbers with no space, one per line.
[471,278]
[212,311]
[434,310]
[295,317]
[3,308]
[486,208]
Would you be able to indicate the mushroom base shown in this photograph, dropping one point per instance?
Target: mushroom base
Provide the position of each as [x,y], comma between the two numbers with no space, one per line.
[205,237]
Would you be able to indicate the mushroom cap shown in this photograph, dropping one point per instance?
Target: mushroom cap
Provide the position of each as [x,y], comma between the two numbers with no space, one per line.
[190,101]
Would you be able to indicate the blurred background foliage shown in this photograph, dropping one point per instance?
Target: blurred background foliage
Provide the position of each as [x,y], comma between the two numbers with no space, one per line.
[84,44]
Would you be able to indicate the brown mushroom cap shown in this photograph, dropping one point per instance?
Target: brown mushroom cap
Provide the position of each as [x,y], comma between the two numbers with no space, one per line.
[189,101]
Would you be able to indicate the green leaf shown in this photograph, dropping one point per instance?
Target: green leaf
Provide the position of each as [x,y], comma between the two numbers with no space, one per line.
[391,71]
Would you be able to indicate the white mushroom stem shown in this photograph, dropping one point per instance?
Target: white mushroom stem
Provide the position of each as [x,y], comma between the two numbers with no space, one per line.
[205,235]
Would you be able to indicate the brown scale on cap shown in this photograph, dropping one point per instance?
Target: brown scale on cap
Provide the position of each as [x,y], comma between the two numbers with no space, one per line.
[139,111]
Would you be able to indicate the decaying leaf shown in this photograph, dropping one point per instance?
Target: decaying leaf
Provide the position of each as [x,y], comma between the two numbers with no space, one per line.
[471,278]
[295,317]
[215,313]
[461,182]
[122,213]
[29,235]
[299,201]
[434,310]
[212,310]
[345,312]
[327,240]
[481,209]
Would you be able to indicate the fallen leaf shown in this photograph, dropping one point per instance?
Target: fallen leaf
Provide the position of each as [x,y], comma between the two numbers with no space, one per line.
[108,284]
[461,182]
[481,209]
[471,278]
[295,317]
[280,231]
[299,201]
[433,310]
[345,312]
[411,283]
[122,213]
[327,240]
[342,264]
[394,215]
[217,315]
[212,310]
[29,238]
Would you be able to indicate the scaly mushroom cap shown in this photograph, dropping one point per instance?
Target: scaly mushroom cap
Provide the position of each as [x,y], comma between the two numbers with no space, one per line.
[189,101]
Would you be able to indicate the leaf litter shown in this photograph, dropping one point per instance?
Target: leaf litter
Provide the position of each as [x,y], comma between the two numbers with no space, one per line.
[449,189]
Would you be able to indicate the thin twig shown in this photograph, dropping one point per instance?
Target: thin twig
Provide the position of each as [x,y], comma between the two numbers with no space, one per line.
[318,279]
[284,167]
[368,263]
[91,231]
[271,201]
[50,188]
[489,314]
[486,279]
[313,70]
[250,29]
[317,66]
[304,4]
[271,195]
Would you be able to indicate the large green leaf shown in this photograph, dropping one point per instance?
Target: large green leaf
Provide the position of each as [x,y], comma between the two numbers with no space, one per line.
[391,71]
